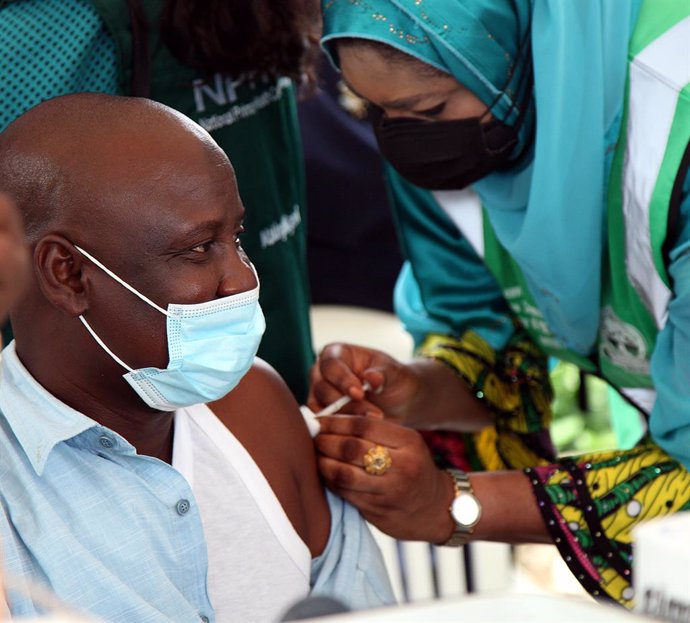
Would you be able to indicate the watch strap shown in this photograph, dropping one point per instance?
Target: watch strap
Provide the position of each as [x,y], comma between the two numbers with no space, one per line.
[461,534]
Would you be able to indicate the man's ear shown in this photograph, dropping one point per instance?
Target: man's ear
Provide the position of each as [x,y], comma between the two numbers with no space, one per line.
[59,272]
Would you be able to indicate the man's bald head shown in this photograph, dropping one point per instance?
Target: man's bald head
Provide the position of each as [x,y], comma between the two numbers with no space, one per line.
[150,195]
[62,160]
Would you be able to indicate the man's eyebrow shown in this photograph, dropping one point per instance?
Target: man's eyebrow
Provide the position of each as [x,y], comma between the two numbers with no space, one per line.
[193,234]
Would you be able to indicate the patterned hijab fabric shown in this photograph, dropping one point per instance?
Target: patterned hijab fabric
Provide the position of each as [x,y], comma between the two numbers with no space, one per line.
[548,210]
[481,44]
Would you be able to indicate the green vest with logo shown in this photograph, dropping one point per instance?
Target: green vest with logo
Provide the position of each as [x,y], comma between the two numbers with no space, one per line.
[643,199]
[255,122]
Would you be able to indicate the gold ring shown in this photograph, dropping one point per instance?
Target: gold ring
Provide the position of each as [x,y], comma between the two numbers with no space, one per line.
[377,461]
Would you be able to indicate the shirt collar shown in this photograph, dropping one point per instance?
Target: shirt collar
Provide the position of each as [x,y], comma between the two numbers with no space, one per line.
[38,419]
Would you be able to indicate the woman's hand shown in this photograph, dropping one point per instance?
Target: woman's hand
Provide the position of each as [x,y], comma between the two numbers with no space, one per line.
[423,393]
[342,368]
[410,500]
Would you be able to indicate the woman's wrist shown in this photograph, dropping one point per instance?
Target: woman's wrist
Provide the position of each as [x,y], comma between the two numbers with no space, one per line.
[444,524]
[442,400]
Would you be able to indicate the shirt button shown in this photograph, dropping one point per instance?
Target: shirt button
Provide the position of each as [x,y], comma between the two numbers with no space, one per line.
[204,619]
[106,442]
[182,507]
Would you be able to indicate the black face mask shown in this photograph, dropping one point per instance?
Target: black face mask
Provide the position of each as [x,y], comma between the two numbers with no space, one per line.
[444,155]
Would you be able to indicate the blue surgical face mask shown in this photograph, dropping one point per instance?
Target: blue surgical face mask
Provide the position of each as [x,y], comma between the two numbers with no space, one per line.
[211,347]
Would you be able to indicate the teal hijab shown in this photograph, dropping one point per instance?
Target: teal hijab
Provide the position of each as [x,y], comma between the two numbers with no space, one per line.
[549,210]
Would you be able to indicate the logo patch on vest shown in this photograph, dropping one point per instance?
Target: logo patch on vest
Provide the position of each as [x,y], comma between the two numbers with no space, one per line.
[531,318]
[622,344]
[281,230]
[222,93]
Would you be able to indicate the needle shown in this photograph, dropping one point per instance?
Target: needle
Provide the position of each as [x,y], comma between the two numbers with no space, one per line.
[340,403]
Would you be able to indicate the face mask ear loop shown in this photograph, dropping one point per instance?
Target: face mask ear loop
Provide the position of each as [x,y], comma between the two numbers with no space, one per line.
[120,281]
[101,343]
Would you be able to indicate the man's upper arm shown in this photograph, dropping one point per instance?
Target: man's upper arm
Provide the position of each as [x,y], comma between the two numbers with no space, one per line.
[264,416]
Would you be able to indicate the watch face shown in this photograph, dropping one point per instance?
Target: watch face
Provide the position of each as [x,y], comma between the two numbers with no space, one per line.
[465,510]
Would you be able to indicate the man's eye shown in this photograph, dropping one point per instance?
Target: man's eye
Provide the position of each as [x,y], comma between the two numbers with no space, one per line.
[204,247]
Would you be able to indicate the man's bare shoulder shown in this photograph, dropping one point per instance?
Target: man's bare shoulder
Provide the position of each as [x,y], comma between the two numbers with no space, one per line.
[264,416]
[262,405]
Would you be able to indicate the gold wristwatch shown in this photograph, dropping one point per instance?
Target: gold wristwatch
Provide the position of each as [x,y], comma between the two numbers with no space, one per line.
[465,509]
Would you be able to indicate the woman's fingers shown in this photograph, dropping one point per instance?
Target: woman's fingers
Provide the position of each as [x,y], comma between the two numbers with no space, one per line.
[372,429]
[333,376]
[342,369]
[409,500]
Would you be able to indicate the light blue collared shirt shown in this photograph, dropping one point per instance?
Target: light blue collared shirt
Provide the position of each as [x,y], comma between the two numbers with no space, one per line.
[111,532]
[119,535]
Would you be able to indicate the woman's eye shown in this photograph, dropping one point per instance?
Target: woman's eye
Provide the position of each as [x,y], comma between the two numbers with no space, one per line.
[433,111]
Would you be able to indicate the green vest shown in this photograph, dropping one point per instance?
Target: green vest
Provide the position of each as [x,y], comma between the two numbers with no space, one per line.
[636,289]
[255,123]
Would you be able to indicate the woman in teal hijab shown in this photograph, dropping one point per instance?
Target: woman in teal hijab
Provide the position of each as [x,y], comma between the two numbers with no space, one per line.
[571,121]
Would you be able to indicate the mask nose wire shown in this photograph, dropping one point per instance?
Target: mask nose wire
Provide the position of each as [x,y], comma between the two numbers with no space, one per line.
[122,282]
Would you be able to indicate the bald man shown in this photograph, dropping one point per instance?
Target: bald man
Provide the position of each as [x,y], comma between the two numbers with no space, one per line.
[150,468]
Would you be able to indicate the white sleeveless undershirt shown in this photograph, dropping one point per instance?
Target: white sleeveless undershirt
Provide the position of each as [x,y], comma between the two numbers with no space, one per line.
[257,564]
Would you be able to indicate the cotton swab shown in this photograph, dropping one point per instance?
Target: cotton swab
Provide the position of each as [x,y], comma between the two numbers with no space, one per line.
[335,406]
